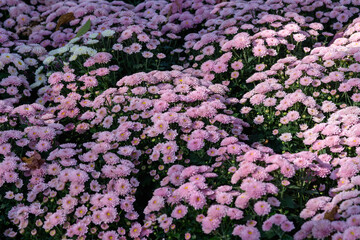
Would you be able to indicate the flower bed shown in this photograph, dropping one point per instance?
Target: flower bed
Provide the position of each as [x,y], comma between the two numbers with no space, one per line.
[179,119]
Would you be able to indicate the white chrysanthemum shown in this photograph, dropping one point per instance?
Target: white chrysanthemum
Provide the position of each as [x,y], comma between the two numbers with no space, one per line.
[73,57]
[73,48]
[35,84]
[92,52]
[39,80]
[93,35]
[108,33]
[82,50]
[74,40]
[63,49]
[48,60]
[92,41]
[39,70]
[54,52]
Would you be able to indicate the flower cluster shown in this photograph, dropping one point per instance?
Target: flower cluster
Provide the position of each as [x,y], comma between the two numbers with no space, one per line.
[301,93]
[179,119]
[14,84]
[196,194]
[339,135]
[335,216]
[170,114]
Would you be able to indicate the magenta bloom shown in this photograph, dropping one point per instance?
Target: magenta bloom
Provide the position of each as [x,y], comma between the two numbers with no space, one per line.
[246,232]
[195,144]
[108,214]
[197,200]
[102,57]
[323,229]
[259,51]
[287,226]
[217,211]
[68,77]
[135,230]
[155,203]
[110,235]
[179,212]
[262,208]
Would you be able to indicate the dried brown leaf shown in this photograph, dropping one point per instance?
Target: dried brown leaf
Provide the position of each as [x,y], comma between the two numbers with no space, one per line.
[330,215]
[33,162]
[64,19]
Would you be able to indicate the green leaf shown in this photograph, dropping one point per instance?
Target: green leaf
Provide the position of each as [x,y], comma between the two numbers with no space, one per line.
[138,66]
[84,29]
[311,192]
[286,237]
[269,234]
[288,202]
[250,59]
